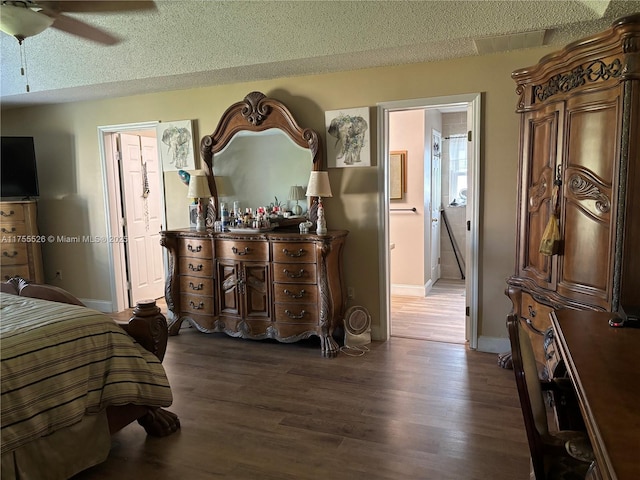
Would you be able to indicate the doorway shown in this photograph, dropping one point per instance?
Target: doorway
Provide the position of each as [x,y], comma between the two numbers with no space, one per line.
[134,188]
[425,212]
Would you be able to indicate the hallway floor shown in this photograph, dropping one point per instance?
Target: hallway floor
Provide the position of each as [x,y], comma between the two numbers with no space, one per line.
[439,316]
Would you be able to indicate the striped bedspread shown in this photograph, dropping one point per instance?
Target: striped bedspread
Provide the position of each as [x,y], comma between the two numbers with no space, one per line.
[61,361]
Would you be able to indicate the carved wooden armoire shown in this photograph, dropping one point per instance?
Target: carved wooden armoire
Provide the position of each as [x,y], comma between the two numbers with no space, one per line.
[580,133]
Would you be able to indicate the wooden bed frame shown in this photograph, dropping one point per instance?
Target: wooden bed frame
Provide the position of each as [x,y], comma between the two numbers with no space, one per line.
[147,326]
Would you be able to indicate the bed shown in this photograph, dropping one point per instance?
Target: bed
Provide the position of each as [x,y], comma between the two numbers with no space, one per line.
[71,377]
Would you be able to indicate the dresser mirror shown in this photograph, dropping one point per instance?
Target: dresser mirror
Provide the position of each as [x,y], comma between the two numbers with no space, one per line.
[257,153]
[257,169]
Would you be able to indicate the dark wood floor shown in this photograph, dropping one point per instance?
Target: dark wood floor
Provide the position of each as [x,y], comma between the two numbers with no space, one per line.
[440,316]
[407,409]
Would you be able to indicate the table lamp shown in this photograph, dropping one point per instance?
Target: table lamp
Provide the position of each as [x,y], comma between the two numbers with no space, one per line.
[199,189]
[319,186]
[296,193]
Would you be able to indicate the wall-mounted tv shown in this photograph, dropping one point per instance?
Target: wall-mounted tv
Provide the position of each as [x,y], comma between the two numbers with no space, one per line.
[18,174]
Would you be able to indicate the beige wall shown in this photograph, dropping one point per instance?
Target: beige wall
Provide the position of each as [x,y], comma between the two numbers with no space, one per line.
[71,181]
[406,229]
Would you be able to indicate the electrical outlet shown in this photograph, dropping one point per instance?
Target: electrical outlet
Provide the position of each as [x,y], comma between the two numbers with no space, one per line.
[59,274]
[350,293]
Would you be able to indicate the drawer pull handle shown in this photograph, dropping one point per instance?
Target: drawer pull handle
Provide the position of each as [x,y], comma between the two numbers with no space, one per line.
[200,306]
[200,286]
[293,315]
[238,252]
[299,253]
[4,230]
[4,214]
[532,312]
[293,274]
[194,250]
[294,295]
[195,269]
[10,255]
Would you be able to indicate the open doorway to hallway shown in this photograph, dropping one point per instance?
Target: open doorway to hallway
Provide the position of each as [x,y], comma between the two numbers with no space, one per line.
[432,227]
[438,316]
[133,181]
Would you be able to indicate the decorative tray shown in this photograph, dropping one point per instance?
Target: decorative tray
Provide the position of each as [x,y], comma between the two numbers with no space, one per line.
[250,230]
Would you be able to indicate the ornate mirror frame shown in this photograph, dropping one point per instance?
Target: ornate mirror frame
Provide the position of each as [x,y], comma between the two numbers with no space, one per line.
[256,113]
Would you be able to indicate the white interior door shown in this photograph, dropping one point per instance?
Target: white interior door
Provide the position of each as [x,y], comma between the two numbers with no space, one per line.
[436,202]
[141,185]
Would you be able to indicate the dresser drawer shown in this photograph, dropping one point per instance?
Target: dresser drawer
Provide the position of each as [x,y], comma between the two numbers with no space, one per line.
[294,252]
[536,314]
[295,293]
[241,250]
[8,271]
[296,313]
[197,267]
[199,304]
[12,228]
[194,247]
[13,253]
[11,213]
[196,285]
[294,273]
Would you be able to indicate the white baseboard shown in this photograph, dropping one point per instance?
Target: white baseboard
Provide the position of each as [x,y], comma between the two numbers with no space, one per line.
[411,290]
[103,306]
[493,344]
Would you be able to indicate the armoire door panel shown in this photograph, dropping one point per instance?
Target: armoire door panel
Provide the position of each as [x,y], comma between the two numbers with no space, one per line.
[583,268]
[593,123]
[540,138]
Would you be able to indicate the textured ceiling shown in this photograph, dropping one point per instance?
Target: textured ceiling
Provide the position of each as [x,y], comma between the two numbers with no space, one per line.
[192,43]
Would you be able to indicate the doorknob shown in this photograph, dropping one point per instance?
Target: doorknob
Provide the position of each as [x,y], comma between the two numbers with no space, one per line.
[434,219]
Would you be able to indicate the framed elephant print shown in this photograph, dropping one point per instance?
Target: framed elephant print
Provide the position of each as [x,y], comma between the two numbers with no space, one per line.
[175,145]
[348,138]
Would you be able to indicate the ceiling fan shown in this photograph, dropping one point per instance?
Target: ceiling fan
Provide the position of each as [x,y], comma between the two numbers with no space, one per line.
[23,19]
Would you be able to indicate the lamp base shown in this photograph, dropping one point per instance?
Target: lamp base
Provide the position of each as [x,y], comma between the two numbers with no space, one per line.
[321,223]
[296,210]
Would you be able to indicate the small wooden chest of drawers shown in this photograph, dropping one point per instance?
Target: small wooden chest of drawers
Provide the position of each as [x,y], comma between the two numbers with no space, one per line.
[20,244]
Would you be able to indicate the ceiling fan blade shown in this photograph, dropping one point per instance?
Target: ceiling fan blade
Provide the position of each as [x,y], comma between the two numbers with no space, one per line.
[89,6]
[84,30]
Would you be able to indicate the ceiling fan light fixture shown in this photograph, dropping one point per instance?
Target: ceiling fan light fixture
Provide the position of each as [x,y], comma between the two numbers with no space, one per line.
[22,22]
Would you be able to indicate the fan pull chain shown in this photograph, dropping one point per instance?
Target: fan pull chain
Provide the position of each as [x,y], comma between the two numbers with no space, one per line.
[23,63]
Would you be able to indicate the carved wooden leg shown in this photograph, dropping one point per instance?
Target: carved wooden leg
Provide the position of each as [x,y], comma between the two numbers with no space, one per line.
[159,422]
[175,322]
[329,346]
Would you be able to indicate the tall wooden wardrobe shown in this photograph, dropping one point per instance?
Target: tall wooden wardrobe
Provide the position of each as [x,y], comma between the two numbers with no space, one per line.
[580,132]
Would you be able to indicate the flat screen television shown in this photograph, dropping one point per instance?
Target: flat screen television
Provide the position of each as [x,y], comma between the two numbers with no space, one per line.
[18,173]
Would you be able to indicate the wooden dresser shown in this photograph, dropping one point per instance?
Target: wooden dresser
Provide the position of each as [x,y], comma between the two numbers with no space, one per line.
[602,363]
[281,285]
[19,241]
[579,159]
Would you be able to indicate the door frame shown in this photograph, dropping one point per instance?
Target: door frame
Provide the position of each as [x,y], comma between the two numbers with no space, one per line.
[117,262]
[474,100]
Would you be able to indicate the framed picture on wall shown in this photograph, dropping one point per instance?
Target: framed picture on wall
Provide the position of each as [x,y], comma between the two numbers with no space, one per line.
[348,139]
[175,144]
[397,174]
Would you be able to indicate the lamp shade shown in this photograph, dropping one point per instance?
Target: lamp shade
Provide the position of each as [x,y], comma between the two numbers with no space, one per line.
[296,193]
[22,22]
[198,185]
[319,185]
